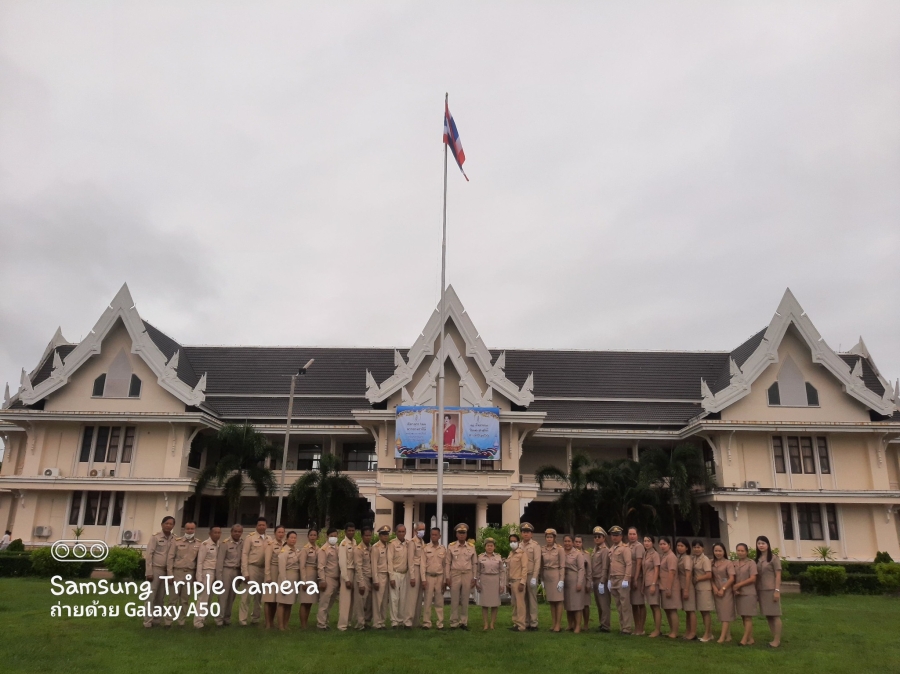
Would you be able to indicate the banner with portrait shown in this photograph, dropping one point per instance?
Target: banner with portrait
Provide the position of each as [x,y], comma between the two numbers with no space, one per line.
[469,433]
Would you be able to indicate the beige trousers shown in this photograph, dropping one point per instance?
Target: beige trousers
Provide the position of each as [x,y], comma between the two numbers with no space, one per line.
[226,599]
[531,604]
[203,597]
[362,606]
[381,599]
[157,595]
[346,601]
[414,603]
[182,598]
[460,591]
[398,598]
[257,574]
[517,604]
[603,605]
[434,596]
[326,599]
[623,605]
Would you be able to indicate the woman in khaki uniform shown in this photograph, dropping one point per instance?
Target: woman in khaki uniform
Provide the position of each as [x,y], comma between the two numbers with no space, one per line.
[688,599]
[273,547]
[288,569]
[309,573]
[745,599]
[574,584]
[669,585]
[552,569]
[650,574]
[490,580]
[768,587]
[588,574]
[723,579]
[703,594]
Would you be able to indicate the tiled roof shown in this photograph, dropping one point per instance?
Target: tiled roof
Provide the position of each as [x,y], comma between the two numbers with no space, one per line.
[616,412]
[244,407]
[169,346]
[740,356]
[870,379]
[46,367]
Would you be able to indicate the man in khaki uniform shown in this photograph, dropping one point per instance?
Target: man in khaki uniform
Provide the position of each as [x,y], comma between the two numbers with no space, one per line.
[253,567]
[182,564]
[398,572]
[600,576]
[638,608]
[329,577]
[228,567]
[362,607]
[435,580]
[533,560]
[620,573]
[207,559]
[416,577]
[516,573]
[380,579]
[462,572]
[156,557]
[347,566]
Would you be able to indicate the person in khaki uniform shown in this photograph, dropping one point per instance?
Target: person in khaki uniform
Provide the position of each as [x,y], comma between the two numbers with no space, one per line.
[599,578]
[347,565]
[638,609]
[380,579]
[398,572]
[288,570]
[362,607]
[533,560]
[491,581]
[253,567]
[228,567]
[309,573]
[435,580]
[207,560]
[462,573]
[270,599]
[156,557]
[416,577]
[516,574]
[329,577]
[182,565]
[620,574]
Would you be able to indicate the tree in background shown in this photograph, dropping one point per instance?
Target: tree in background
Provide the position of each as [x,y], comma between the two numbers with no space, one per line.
[578,499]
[621,497]
[325,494]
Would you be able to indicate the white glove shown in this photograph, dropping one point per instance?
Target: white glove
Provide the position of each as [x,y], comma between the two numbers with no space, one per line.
[534,582]
[601,588]
[625,584]
[559,586]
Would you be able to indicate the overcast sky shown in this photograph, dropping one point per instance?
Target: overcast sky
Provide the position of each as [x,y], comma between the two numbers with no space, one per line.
[643,175]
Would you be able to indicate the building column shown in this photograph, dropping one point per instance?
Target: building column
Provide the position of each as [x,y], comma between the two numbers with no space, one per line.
[480,514]
[635,455]
[568,454]
[408,504]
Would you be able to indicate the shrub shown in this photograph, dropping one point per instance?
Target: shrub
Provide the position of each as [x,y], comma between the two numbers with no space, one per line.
[125,563]
[823,553]
[500,536]
[863,583]
[827,579]
[888,575]
[14,564]
[883,558]
[18,546]
[43,564]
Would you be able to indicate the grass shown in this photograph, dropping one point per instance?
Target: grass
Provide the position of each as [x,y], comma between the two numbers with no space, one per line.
[821,634]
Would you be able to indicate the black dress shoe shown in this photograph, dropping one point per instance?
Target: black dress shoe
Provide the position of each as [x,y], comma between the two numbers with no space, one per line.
[516,629]
[464,627]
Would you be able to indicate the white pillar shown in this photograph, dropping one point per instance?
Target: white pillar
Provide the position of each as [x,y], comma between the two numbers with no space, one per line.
[568,454]
[635,455]
[408,515]
[480,514]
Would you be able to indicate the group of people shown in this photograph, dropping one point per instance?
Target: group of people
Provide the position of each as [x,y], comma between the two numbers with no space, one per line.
[402,581]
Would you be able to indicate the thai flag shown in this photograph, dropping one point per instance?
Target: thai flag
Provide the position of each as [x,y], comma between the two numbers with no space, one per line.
[451,139]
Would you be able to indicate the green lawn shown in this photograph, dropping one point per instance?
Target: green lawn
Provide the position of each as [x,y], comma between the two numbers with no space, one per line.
[821,634]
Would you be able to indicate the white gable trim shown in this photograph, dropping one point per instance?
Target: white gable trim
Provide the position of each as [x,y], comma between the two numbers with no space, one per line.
[790,312]
[122,307]
[475,348]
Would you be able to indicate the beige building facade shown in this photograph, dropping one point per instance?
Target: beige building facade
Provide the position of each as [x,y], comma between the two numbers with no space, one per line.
[804,441]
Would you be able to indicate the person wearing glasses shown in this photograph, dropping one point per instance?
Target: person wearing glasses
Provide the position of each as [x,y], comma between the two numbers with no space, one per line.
[599,578]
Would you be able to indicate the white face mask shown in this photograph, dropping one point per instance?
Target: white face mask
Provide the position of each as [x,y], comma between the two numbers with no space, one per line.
[513,545]
[421,534]
[332,540]
[190,537]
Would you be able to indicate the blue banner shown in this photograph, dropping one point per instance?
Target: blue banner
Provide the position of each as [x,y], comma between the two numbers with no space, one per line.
[469,433]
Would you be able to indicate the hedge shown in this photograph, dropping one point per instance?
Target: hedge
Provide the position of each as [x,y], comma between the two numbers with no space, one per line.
[854,583]
[43,564]
[15,564]
[797,568]
[826,579]
[888,575]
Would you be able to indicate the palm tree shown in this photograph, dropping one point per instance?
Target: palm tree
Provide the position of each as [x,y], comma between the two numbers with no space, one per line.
[677,475]
[324,494]
[242,453]
[622,498]
[577,499]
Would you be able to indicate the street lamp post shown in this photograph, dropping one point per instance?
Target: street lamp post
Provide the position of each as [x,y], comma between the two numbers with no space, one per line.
[287,436]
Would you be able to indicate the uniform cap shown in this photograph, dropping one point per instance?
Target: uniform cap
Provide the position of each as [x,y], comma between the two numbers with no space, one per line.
[550,532]
[461,527]
[490,540]
[598,531]
[526,527]
[384,530]
[615,530]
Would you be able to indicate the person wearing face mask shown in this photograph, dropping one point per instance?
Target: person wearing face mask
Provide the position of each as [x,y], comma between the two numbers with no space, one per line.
[253,567]
[270,574]
[398,572]
[416,590]
[156,556]
[435,553]
[516,574]
[620,573]
[182,565]
[329,577]
[533,560]
[347,565]
[207,560]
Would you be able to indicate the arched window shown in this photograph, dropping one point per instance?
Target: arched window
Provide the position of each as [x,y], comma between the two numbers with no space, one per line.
[99,385]
[812,395]
[134,390]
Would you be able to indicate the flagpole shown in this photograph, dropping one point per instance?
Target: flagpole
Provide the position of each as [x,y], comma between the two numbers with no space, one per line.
[440,392]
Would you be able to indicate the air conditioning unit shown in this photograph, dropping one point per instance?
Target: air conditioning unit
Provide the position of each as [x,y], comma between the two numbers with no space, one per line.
[131,536]
[42,532]
[97,472]
[112,472]
[51,472]
[751,484]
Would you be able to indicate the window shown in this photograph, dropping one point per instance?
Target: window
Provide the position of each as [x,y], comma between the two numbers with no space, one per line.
[308,457]
[831,515]
[112,455]
[778,448]
[806,451]
[134,390]
[774,394]
[812,395]
[75,511]
[98,508]
[128,447]
[100,445]
[787,521]
[86,440]
[106,443]
[809,517]
[794,453]
[360,457]
[791,389]
[824,461]
[99,385]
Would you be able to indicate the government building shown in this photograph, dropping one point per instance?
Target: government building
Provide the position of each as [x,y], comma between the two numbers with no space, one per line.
[804,441]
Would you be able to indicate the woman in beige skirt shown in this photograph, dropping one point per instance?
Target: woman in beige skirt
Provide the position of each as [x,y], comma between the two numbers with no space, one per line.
[574,584]
[490,580]
[723,580]
[552,569]
[669,585]
[703,594]
[650,573]
[288,570]
[745,600]
[270,599]
[686,577]
[588,574]
[309,573]
[768,587]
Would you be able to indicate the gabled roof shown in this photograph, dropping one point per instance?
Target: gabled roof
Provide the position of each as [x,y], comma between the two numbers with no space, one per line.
[739,356]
